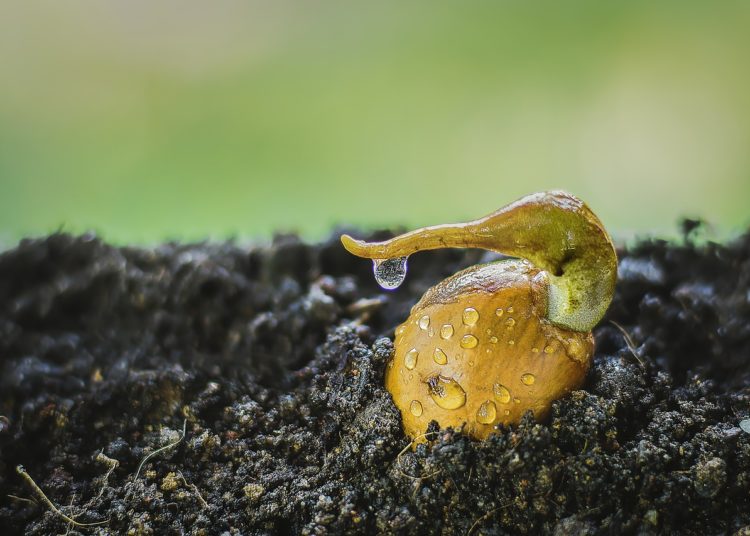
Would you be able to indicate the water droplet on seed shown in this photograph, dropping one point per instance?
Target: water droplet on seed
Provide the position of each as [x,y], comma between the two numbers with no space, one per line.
[416,408]
[446,392]
[499,311]
[493,340]
[487,412]
[469,341]
[528,379]
[410,359]
[424,322]
[510,323]
[446,331]
[389,273]
[470,316]
[502,394]
[440,357]
[510,309]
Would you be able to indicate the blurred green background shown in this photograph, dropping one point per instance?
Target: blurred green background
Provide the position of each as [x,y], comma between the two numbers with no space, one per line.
[146,120]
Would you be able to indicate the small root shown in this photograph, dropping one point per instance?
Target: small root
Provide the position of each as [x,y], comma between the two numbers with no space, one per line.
[30,481]
[162,449]
[195,490]
[22,499]
[403,451]
[486,516]
[112,464]
[629,343]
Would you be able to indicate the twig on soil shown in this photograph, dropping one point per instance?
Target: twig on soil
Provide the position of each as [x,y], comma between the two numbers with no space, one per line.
[162,449]
[30,481]
[628,342]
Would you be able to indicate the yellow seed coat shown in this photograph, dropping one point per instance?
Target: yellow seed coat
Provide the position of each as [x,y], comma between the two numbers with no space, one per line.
[495,376]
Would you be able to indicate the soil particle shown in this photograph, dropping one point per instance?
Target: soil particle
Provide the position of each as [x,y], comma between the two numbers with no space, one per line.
[273,359]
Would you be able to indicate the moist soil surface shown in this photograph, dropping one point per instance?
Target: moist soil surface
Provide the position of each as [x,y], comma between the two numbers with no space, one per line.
[216,389]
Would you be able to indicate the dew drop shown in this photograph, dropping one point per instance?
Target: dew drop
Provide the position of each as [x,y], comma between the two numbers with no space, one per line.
[470,316]
[499,311]
[416,408]
[424,322]
[549,349]
[439,357]
[510,323]
[410,359]
[507,412]
[502,394]
[516,400]
[511,342]
[469,341]
[446,331]
[510,309]
[389,273]
[535,350]
[487,412]
[446,392]
[493,340]
[528,379]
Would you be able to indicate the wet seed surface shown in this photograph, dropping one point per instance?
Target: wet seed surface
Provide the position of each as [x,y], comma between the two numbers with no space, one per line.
[105,352]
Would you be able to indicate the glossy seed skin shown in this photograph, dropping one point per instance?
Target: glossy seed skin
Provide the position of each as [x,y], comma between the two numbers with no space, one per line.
[513,285]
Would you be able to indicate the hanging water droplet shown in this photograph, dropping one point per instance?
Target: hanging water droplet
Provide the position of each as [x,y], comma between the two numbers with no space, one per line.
[389,273]
[424,322]
[446,392]
[440,357]
[446,331]
[416,408]
[502,394]
[469,341]
[470,316]
[410,359]
[487,412]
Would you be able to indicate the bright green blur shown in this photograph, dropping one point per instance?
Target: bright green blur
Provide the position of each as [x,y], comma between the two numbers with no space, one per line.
[145,121]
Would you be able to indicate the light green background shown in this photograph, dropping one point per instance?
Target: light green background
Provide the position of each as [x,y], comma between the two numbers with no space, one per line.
[148,120]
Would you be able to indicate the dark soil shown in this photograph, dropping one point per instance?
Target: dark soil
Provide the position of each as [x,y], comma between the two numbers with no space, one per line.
[273,360]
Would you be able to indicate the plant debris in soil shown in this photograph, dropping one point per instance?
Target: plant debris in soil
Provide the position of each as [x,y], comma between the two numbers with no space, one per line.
[211,389]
